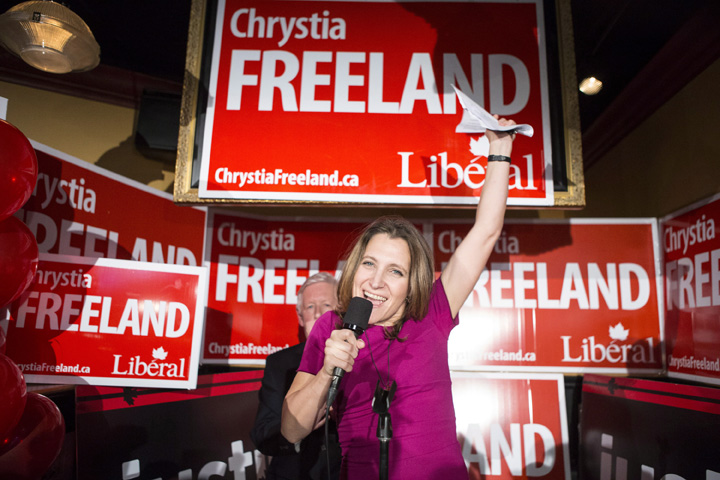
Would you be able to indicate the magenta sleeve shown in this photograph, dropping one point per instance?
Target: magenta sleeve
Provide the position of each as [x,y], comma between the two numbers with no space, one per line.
[314,353]
[439,309]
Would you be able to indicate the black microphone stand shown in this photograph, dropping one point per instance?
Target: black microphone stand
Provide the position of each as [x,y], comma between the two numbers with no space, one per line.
[381,405]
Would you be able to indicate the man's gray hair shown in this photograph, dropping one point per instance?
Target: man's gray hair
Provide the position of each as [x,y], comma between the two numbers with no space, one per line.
[317,278]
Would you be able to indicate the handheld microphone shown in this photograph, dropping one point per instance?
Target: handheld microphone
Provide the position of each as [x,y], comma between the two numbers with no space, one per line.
[356,319]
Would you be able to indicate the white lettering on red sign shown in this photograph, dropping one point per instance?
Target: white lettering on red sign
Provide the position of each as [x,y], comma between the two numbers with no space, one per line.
[72,192]
[60,312]
[244,23]
[624,286]
[523,440]
[676,238]
[592,351]
[452,175]
[279,68]
[276,240]
[693,282]
[260,280]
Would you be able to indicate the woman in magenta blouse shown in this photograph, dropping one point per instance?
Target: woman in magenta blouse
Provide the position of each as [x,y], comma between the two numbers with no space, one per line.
[406,342]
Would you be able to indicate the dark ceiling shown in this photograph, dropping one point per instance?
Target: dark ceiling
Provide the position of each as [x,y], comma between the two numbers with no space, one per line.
[643,50]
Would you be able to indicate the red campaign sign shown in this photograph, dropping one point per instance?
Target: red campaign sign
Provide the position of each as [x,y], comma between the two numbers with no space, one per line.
[562,296]
[691,250]
[512,426]
[79,209]
[365,88]
[255,269]
[109,322]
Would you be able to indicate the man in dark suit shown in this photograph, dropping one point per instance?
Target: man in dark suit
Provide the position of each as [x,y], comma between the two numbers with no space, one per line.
[308,459]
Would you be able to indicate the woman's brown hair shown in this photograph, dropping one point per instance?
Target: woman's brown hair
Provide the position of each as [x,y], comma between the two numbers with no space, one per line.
[421,267]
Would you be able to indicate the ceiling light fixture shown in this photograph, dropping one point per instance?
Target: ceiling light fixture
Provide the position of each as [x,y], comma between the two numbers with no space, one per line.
[49,37]
[590,86]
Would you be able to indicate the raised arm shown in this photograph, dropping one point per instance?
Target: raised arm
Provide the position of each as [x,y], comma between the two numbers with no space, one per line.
[469,259]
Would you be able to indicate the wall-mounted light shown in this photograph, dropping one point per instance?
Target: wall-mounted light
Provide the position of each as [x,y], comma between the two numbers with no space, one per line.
[49,37]
[590,86]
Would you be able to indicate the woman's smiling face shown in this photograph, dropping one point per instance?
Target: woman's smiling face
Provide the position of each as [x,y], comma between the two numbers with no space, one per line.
[383,277]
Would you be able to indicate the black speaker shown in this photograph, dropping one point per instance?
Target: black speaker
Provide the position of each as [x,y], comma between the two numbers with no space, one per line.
[158,123]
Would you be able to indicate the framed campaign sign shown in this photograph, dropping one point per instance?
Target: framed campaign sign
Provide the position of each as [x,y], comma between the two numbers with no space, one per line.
[352,102]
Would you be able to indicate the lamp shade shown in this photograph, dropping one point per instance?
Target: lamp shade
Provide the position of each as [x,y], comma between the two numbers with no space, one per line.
[50,37]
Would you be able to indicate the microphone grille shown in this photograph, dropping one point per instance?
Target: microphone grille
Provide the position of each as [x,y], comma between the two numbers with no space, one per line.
[358,312]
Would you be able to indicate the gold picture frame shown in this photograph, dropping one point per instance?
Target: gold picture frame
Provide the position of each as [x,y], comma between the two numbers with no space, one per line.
[567,170]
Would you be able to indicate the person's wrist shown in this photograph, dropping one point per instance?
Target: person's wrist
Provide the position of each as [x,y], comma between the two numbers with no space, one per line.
[499,158]
[500,149]
[325,374]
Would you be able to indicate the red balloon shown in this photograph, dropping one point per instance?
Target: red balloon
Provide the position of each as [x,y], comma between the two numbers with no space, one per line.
[18,259]
[13,395]
[32,446]
[18,169]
